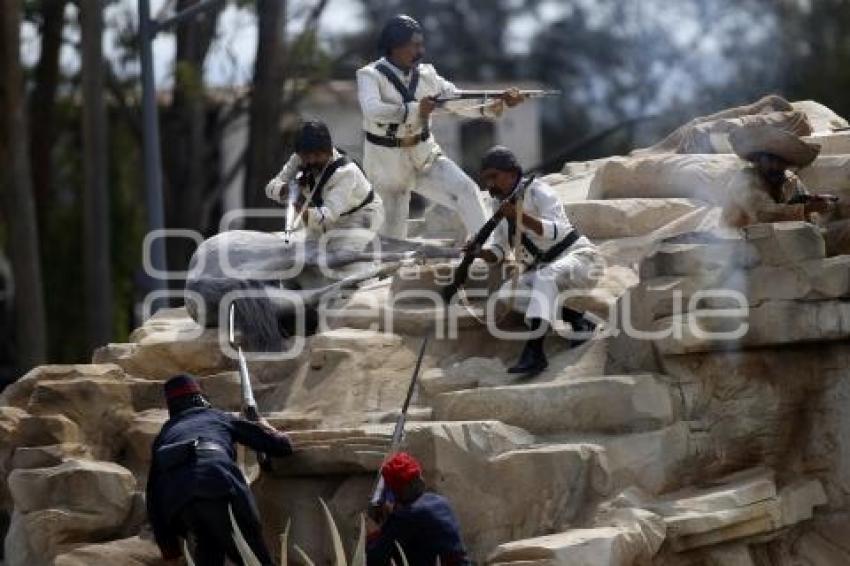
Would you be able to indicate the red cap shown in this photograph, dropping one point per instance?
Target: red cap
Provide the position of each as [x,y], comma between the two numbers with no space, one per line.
[400,470]
[179,386]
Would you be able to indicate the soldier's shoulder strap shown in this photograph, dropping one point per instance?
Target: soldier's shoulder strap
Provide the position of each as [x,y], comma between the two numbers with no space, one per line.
[326,175]
[408,93]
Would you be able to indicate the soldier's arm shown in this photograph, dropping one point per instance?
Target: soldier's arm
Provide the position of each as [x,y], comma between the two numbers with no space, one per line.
[466,108]
[261,437]
[336,200]
[497,246]
[279,181]
[554,224]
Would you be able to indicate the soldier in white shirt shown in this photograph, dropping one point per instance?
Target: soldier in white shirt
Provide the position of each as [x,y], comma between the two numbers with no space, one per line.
[557,257]
[335,193]
[396,96]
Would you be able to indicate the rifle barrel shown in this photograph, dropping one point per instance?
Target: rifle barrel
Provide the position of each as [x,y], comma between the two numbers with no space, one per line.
[398,430]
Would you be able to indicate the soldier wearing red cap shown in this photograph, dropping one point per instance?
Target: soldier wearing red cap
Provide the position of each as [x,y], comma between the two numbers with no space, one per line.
[193,478]
[421,522]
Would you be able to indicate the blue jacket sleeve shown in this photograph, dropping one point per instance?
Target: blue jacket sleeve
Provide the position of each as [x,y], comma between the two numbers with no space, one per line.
[261,439]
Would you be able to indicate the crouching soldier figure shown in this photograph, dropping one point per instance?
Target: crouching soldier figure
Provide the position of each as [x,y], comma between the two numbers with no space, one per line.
[556,256]
[193,479]
[421,522]
[334,192]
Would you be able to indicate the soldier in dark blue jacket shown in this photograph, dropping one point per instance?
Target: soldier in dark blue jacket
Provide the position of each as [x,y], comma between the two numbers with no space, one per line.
[420,521]
[193,477]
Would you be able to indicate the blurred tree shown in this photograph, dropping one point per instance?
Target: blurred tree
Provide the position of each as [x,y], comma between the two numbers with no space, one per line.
[96,218]
[186,128]
[467,40]
[284,71]
[50,19]
[264,151]
[18,202]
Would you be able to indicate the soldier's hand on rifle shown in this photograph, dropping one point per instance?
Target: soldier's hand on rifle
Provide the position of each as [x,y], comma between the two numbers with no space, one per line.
[512,97]
[508,209]
[426,106]
[820,203]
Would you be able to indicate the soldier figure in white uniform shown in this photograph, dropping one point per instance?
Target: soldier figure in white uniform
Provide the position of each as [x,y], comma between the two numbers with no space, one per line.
[336,194]
[556,255]
[397,95]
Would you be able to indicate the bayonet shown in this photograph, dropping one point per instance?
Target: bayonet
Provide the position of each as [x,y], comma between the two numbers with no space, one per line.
[249,404]
[398,431]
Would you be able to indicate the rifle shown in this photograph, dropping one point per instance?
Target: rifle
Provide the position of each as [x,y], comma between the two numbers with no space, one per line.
[249,405]
[462,270]
[805,198]
[293,194]
[398,432]
[489,94]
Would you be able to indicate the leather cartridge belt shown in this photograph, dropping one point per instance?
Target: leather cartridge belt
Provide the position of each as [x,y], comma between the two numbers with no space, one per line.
[390,141]
[209,446]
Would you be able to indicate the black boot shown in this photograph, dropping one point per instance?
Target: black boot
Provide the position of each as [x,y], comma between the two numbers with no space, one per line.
[580,325]
[533,360]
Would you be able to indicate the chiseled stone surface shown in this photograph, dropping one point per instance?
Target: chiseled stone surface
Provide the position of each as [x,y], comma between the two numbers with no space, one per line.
[633,536]
[133,551]
[618,403]
[76,501]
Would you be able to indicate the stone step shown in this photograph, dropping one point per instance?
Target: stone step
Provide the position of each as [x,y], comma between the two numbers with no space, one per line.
[653,461]
[501,484]
[632,536]
[612,403]
[588,360]
[773,323]
[745,504]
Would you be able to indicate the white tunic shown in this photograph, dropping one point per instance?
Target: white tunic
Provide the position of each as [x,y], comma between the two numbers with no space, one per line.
[538,291]
[344,191]
[396,171]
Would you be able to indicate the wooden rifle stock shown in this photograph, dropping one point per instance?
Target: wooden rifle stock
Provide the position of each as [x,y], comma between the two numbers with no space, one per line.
[462,270]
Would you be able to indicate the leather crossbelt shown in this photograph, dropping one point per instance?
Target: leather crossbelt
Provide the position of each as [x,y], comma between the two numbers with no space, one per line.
[388,141]
[369,198]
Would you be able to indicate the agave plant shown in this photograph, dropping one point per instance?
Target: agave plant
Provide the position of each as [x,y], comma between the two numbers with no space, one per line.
[358,555]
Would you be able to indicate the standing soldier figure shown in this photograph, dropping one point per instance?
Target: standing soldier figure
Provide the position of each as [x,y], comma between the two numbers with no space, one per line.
[557,256]
[397,95]
[193,480]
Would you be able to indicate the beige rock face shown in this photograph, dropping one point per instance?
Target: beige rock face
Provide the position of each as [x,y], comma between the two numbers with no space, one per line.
[674,449]
[73,502]
[453,455]
[138,439]
[633,537]
[18,393]
[600,404]
[100,407]
[170,342]
[624,218]
[132,551]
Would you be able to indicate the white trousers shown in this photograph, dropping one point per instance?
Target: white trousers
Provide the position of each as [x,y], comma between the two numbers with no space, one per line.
[537,290]
[395,172]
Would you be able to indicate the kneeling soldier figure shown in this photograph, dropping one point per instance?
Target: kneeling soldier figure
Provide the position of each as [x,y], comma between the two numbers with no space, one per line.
[421,522]
[556,256]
